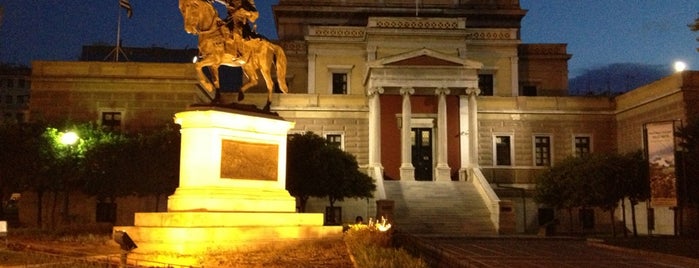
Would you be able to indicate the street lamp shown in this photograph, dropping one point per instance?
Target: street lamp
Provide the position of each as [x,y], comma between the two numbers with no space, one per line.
[69,138]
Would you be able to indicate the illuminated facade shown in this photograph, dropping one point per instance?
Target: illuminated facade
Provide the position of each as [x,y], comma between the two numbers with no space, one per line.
[437,92]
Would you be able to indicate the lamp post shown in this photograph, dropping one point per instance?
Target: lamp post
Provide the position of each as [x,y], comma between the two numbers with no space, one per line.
[68,139]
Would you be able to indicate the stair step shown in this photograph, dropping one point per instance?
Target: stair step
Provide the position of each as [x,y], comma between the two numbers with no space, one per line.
[439,207]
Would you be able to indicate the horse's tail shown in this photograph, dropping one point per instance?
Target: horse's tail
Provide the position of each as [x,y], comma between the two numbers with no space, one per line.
[280,64]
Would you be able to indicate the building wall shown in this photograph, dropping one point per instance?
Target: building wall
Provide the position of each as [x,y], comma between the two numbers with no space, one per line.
[544,66]
[671,98]
[14,93]
[147,94]
[561,118]
[82,209]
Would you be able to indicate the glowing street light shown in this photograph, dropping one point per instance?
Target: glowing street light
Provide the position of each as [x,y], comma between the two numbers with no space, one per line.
[69,138]
[679,66]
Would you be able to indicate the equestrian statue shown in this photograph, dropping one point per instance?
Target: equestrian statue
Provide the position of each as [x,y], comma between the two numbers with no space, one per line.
[232,42]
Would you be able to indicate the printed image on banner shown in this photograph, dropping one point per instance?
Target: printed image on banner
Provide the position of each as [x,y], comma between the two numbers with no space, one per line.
[661,164]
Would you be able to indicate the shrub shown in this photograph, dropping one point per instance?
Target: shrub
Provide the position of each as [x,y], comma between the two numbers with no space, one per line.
[370,248]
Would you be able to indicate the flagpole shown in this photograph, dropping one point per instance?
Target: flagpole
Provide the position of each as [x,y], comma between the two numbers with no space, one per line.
[117,48]
[118,39]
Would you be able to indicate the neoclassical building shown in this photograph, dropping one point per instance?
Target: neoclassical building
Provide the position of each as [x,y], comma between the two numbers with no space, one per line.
[439,100]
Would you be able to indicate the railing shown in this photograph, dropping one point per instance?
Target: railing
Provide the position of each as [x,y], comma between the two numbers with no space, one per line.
[486,192]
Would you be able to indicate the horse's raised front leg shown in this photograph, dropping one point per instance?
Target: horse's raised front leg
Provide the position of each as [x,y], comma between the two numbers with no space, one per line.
[203,80]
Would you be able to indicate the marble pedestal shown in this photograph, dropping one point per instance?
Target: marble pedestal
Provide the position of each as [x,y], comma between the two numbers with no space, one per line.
[231,194]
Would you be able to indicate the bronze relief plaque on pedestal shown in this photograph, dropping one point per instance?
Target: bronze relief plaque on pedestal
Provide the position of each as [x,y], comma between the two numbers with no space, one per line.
[245,160]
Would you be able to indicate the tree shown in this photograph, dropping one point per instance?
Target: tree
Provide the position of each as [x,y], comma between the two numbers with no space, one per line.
[316,168]
[19,158]
[340,177]
[688,164]
[634,183]
[597,180]
[560,187]
[157,163]
[110,162]
[302,180]
[143,164]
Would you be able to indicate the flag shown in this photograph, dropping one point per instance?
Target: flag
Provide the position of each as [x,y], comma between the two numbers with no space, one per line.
[126,5]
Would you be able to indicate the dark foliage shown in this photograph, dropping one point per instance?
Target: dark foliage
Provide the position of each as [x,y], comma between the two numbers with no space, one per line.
[316,168]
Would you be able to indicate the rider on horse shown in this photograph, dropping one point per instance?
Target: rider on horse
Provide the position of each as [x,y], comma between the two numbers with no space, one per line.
[239,13]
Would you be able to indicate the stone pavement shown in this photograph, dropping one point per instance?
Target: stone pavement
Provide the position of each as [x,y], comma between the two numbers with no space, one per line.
[441,251]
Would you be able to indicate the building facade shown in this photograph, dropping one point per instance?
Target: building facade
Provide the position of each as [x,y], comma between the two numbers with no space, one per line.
[432,91]
[14,91]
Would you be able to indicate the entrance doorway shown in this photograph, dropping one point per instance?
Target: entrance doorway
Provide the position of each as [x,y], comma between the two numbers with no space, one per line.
[422,153]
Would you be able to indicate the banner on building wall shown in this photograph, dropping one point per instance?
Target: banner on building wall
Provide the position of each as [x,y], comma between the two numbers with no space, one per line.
[660,139]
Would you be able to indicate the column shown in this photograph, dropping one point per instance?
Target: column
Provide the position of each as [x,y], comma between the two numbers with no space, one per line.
[407,170]
[473,125]
[375,166]
[464,133]
[442,170]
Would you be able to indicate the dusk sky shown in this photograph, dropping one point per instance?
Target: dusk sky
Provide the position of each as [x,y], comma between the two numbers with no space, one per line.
[598,32]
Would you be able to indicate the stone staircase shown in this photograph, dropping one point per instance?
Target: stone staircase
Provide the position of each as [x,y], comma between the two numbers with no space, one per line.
[439,207]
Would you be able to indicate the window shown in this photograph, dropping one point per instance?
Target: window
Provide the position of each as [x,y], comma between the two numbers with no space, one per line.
[582,146]
[486,84]
[335,139]
[21,99]
[529,91]
[8,99]
[503,150]
[111,120]
[339,83]
[20,117]
[587,217]
[542,151]
[340,76]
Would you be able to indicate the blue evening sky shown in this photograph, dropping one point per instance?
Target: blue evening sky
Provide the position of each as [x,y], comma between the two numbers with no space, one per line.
[598,32]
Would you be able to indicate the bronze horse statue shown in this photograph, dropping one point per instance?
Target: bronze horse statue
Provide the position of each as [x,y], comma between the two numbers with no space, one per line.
[217,47]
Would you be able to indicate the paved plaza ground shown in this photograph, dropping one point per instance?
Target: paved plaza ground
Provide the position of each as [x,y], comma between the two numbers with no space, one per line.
[439,251]
[545,252]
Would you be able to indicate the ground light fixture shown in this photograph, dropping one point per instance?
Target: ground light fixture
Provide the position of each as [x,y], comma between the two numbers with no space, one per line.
[126,244]
[124,240]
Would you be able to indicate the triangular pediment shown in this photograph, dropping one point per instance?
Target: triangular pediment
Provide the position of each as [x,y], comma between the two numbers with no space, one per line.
[421,68]
[423,60]
[423,57]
